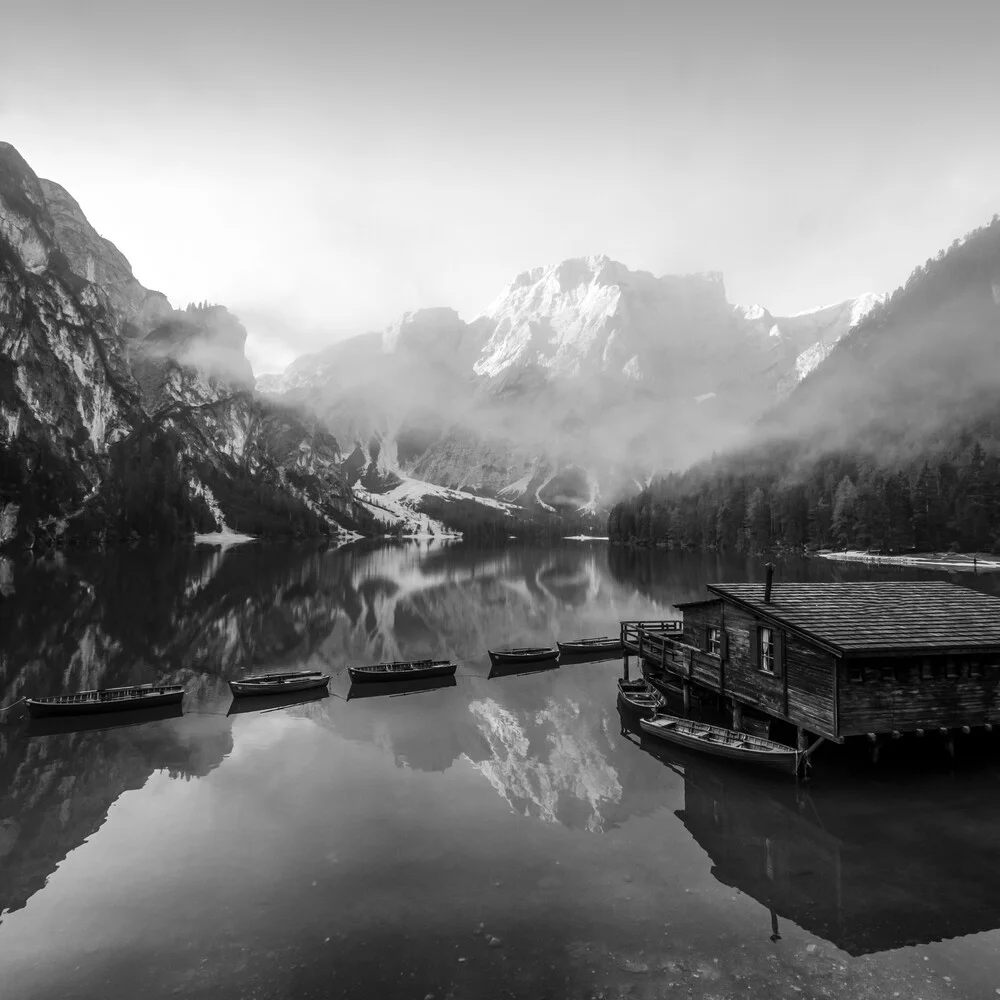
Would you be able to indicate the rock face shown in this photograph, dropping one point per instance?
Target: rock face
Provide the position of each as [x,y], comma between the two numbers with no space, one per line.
[101,263]
[65,383]
[94,367]
[577,382]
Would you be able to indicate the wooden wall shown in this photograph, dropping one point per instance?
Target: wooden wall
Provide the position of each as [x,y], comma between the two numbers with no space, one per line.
[802,689]
[908,693]
[823,694]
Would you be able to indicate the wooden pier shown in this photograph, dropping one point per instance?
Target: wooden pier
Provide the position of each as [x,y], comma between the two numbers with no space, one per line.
[835,660]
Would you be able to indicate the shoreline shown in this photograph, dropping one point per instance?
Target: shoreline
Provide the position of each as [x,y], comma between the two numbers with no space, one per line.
[971,563]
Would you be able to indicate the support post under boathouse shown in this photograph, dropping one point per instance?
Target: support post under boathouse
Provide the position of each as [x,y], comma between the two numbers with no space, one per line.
[835,660]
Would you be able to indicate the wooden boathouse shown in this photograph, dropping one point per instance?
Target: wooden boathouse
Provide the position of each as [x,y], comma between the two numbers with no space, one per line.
[835,660]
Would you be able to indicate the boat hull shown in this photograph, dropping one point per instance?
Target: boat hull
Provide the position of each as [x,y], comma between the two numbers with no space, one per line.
[585,648]
[501,656]
[382,673]
[107,701]
[738,751]
[252,687]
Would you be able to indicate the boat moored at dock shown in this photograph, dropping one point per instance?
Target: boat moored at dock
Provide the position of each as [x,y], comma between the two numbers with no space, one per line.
[641,696]
[725,743]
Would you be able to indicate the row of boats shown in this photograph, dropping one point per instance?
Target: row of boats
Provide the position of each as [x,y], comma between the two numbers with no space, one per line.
[287,682]
[650,704]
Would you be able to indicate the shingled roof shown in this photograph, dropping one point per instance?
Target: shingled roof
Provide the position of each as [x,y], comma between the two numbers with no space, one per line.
[855,619]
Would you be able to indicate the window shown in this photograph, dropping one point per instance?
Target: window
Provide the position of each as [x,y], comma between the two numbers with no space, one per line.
[975,669]
[714,640]
[855,675]
[927,670]
[767,650]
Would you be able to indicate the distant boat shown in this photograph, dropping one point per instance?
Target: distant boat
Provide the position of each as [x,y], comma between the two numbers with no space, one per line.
[522,654]
[282,682]
[120,699]
[720,742]
[641,696]
[603,644]
[402,670]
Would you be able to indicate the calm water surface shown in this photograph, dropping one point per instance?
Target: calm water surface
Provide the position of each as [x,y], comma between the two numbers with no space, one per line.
[499,837]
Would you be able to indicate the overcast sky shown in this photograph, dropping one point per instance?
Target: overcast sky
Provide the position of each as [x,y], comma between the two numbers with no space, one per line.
[322,167]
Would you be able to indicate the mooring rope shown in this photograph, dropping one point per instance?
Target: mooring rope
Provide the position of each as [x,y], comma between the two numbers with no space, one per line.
[7,708]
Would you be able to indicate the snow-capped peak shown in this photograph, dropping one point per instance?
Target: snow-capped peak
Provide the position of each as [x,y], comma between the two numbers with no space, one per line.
[594,313]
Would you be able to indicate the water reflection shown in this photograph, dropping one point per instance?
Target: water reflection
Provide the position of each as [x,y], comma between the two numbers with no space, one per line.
[870,865]
[863,865]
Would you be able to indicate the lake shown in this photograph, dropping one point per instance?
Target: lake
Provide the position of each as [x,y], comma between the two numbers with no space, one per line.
[499,837]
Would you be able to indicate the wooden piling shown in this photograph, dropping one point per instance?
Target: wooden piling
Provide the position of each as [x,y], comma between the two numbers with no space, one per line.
[737,716]
[686,688]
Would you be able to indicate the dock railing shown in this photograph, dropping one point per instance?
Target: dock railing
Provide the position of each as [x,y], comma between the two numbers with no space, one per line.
[632,631]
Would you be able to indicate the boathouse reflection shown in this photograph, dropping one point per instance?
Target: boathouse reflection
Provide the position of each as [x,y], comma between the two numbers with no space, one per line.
[844,864]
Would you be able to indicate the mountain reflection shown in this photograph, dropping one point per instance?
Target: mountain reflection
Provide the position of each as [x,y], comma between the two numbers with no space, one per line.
[199,616]
[868,867]
[550,765]
[56,788]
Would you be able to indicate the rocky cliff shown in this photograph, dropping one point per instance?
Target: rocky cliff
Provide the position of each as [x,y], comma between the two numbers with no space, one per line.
[119,413]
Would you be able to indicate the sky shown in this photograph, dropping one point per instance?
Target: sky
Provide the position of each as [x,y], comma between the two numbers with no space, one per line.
[320,168]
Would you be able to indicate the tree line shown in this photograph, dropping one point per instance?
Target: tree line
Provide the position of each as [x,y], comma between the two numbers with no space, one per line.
[844,501]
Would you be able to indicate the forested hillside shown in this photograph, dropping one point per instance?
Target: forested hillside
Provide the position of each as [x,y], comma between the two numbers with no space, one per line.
[892,444]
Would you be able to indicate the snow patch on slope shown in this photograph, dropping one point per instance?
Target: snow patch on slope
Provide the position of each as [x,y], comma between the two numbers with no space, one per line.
[399,506]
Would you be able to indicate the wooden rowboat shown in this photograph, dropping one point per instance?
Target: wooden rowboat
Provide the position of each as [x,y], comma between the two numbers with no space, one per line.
[120,699]
[720,742]
[522,654]
[641,696]
[402,670]
[278,683]
[603,644]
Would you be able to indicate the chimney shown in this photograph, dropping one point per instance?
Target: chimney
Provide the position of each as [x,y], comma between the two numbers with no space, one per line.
[767,583]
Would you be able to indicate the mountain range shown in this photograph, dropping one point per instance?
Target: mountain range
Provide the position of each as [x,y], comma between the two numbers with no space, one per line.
[123,416]
[577,383]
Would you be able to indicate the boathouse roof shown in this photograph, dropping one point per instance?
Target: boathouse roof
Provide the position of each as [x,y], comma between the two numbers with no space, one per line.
[884,617]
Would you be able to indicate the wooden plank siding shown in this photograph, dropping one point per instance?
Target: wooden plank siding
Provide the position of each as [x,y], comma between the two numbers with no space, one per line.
[849,658]
[802,689]
[917,693]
